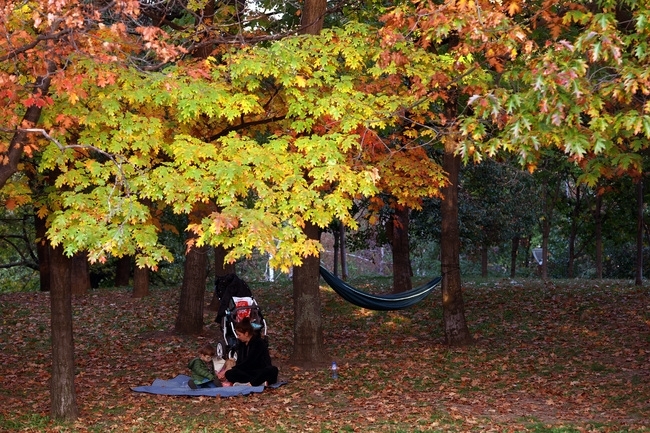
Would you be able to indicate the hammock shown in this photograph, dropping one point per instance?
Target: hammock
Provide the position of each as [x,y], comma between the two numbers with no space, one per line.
[393,301]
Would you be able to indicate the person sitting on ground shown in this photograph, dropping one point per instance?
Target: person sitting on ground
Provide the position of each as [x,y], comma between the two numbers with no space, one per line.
[253,366]
[203,375]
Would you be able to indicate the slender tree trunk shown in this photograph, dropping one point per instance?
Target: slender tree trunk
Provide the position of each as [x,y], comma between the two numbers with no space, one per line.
[42,250]
[337,238]
[62,393]
[573,233]
[453,309]
[308,348]
[221,268]
[343,250]
[140,282]
[484,261]
[80,276]
[546,231]
[123,271]
[639,233]
[513,256]
[190,309]
[599,236]
[397,231]
[548,201]
[527,251]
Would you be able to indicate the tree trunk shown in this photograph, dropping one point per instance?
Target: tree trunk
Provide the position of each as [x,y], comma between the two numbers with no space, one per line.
[639,233]
[204,18]
[80,275]
[62,393]
[573,234]
[311,18]
[308,348]
[484,261]
[527,243]
[548,201]
[343,250]
[599,236]
[513,256]
[123,271]
[221,268]
[43,252]
[140,282]
[453,309]
[397,230]
[190,309]
[12,156]
[546,232]
[337,239]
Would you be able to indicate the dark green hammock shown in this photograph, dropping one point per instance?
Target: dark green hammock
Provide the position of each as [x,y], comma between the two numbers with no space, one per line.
[393,301]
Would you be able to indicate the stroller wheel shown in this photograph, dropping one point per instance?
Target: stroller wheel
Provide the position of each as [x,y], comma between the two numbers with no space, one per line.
[220,350]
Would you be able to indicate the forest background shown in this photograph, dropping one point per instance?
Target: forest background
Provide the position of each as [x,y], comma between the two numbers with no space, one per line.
[138,134]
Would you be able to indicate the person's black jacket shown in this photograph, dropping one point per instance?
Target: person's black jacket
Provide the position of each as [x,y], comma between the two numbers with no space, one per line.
[253,363]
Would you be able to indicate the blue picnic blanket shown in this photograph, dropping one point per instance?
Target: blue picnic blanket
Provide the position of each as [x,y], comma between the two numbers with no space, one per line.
[179,386]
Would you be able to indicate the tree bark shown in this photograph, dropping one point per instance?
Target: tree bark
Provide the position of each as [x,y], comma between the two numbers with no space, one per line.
[599,236]
[140,282]
[638,280]
[573,233]
[123,271]
[453,309]
[308,348]
[62,393]
[397,229]
[190,308]
[221,268]
[42,250]
[484,261]
[312,16]
[80,275]
[513,256]
[343,252]
[546,232]
[337,241]
[548,201]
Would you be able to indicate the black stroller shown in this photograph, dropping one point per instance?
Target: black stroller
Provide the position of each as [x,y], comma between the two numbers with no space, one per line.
[236,302]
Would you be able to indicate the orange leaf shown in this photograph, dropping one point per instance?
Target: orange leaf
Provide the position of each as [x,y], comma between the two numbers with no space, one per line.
[513,8]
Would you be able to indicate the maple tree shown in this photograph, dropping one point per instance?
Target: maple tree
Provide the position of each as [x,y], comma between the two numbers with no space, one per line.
[198,133]
[128,143]
[533,75]
[39,41]
[268,136]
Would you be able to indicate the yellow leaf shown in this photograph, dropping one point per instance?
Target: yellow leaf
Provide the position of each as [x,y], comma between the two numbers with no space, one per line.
[300,81]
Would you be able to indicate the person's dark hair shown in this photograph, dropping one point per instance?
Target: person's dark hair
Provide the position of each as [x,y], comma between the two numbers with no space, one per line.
[245,326]
[208,349]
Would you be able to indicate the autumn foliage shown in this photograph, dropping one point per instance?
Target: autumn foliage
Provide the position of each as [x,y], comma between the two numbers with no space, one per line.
[557,357]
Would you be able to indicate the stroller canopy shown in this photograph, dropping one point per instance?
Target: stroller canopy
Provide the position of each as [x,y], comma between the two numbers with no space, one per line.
[393,301]
[226,287]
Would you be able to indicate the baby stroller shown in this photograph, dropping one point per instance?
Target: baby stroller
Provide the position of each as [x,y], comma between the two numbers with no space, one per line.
[236,303]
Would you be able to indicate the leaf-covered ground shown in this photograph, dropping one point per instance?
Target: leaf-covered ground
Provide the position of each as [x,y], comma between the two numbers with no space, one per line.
[562,357]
